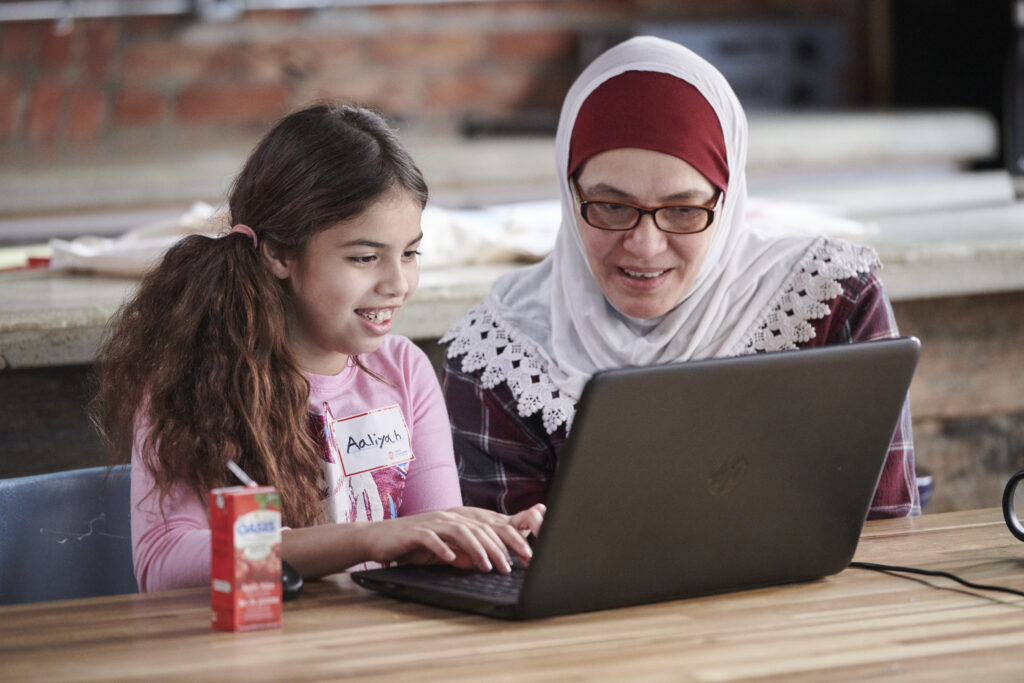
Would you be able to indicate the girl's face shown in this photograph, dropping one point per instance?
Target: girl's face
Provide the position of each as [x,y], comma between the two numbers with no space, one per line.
[644,272]
[350,282]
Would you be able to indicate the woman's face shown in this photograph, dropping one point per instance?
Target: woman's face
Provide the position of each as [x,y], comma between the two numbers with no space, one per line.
[644,272]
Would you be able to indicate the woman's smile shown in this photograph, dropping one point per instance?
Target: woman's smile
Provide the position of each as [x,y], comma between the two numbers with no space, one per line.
[644,280]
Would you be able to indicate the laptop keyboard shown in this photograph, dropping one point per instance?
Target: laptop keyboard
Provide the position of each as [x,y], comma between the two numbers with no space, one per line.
[491,584]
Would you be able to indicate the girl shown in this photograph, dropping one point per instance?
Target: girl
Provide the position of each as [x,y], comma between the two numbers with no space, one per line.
[270,347]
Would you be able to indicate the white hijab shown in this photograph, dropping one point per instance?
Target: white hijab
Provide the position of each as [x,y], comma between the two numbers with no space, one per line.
[550,327]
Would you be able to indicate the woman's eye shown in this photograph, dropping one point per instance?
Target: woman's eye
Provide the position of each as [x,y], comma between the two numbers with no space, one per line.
[612,209]
[681,211]
[364,259]
[411,254]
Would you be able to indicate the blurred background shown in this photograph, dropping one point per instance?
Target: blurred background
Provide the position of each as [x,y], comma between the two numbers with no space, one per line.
[905,116]
[145,103]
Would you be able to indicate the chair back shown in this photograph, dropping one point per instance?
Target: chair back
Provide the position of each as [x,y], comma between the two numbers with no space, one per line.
[66,535]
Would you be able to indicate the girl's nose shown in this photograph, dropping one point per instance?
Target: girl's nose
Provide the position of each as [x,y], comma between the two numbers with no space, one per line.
[394,282]
[645,239]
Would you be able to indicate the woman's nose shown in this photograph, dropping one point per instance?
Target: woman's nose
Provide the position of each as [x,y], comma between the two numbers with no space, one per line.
[645,239]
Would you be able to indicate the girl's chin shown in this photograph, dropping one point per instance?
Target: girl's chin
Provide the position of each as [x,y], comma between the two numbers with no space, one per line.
[368,345]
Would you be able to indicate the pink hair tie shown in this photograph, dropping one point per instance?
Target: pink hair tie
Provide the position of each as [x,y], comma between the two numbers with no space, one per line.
[246,230]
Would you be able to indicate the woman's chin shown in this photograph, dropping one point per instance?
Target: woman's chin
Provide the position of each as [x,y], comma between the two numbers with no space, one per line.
[643,310]
[644,299]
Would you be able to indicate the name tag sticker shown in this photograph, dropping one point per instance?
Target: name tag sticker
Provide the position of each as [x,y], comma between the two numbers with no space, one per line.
[372,440]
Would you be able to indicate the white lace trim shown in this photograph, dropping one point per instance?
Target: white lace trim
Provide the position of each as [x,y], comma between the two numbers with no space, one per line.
[803,296]
[488,344]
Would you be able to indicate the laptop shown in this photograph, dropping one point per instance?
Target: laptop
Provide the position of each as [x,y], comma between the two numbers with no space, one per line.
[695,478]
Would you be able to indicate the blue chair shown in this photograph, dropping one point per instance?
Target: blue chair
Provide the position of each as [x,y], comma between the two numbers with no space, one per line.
[66,535]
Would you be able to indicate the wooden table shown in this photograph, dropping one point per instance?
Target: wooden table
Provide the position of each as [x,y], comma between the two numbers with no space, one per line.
[853,626]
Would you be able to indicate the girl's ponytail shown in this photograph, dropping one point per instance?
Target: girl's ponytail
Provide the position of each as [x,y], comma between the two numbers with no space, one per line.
[206,334]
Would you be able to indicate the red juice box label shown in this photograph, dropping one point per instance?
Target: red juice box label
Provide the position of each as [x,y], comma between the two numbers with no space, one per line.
[245,568]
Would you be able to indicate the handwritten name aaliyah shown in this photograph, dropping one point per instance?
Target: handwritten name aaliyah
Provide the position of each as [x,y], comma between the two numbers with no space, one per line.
[373,439]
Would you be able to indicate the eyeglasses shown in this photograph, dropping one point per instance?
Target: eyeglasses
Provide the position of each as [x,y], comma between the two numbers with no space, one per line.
[673,218]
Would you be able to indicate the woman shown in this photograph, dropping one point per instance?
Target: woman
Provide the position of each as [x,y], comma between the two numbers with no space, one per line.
[653,263]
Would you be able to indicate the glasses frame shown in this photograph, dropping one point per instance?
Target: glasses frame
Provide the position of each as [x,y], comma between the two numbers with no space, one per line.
[642,211]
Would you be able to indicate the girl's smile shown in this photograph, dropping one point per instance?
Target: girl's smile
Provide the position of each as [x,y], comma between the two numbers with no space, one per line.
[378,320]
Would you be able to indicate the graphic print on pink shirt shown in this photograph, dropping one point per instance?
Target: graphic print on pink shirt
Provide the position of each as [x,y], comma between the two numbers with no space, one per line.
[365,496]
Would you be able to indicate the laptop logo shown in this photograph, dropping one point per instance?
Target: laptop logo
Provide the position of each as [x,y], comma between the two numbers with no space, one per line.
[727,475]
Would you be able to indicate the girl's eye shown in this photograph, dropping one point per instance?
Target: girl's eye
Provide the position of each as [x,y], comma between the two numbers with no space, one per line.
[411,254]
[364,259]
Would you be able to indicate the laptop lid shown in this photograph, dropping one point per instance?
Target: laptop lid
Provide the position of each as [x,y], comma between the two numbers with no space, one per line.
[707,476]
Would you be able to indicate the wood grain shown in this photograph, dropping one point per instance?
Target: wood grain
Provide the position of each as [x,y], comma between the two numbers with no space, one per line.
[853,626]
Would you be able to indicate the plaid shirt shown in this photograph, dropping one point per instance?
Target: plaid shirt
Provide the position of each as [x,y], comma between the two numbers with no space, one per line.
[506,461]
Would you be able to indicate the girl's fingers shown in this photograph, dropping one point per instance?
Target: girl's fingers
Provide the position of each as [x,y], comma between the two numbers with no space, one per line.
[429,539]
[511,531]
[529,520]
[505,537]
[497,546]
[494,543]
[485,532]
[511,537]
[470,541]
[483,537]
[409,540]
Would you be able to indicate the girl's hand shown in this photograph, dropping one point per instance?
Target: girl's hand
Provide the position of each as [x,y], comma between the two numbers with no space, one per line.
[514,529]
[529,521]
[454,537]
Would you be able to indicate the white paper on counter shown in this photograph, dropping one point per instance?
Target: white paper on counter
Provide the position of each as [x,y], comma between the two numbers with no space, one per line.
[522,232]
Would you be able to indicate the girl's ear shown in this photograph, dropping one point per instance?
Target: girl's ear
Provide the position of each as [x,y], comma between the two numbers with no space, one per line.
[274,257]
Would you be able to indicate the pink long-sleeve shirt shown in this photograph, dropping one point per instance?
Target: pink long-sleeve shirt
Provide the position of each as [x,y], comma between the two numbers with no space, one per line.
[171,546]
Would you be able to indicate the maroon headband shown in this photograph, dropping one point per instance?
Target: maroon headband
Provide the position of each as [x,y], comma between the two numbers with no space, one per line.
[651,110]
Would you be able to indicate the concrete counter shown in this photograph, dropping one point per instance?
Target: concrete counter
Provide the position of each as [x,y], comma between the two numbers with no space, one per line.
[963,298]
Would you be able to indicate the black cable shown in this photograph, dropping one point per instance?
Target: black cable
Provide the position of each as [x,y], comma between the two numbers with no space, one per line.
[930,572]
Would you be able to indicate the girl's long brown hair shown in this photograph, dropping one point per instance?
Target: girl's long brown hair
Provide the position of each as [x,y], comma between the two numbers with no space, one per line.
[201,352]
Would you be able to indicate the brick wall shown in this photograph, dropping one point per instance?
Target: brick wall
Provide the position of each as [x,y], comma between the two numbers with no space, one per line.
[152,84]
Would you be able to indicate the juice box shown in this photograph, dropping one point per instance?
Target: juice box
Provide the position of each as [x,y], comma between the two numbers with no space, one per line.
[245,573]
